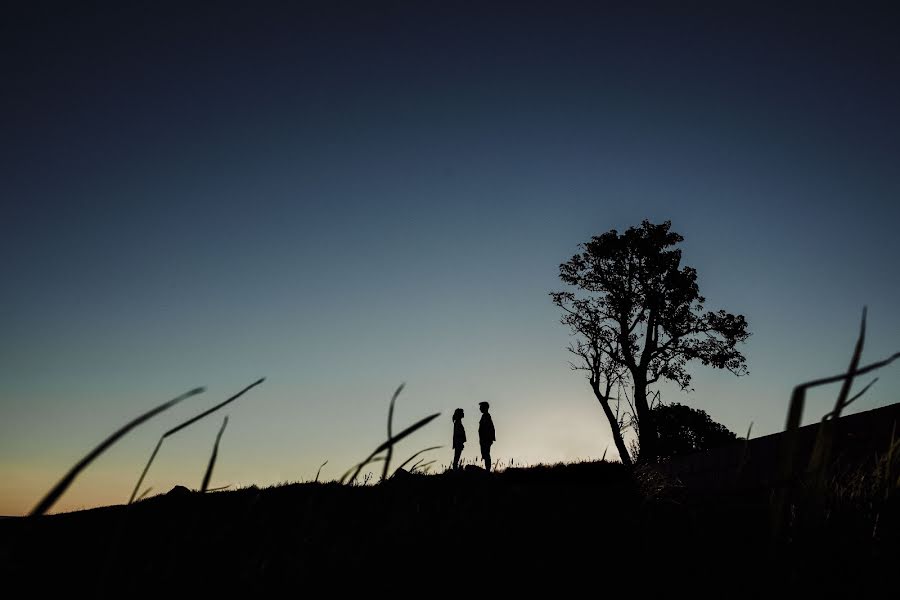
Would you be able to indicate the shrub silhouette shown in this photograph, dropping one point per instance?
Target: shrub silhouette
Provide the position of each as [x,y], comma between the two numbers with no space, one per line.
[683,430]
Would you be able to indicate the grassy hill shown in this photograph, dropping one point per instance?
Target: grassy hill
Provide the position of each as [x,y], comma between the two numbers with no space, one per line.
[595,526]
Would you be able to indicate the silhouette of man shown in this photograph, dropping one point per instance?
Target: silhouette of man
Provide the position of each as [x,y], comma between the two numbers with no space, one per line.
[486,435]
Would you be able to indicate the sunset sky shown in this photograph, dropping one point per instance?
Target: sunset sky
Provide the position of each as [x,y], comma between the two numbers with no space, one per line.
[345,196]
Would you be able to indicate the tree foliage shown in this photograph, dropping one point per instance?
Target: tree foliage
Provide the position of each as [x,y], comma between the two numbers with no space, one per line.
[638,318]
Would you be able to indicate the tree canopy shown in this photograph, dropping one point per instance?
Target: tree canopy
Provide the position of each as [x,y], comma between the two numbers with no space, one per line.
[638,318]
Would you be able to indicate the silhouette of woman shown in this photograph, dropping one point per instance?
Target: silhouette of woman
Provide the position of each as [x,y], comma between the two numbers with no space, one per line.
[459,436]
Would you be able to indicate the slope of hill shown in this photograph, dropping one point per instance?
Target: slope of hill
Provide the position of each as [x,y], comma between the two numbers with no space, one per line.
[569,526]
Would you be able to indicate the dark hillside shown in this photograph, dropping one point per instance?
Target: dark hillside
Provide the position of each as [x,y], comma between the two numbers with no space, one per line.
[590,524]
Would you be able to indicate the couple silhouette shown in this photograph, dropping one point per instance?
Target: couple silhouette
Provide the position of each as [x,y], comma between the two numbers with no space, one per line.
[486,435]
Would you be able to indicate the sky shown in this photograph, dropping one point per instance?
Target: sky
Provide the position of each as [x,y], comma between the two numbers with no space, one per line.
[343,197]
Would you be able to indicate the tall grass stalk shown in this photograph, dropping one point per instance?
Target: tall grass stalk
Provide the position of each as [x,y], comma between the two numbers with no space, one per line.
[320,470]
[389,443]
[795,411]
[390,450]
[422,466]
[181,426]
[745,455]
[54,494]
[827,428]
[788,448]
[212,459]
[854,398]
[411,458]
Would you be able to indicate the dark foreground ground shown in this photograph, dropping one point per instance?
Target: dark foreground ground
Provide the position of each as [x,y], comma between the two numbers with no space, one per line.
[593,529]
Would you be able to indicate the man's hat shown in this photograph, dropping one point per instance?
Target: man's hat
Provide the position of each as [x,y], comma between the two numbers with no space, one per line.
[484,404]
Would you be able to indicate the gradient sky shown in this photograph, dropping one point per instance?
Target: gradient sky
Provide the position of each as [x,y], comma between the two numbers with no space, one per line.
[344,197]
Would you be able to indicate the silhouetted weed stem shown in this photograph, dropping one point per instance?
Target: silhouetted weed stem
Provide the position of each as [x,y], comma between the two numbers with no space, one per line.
[854,398]
[388,445]
[181,426]
[411,458]
[54,494]
[412,428]
[212,459]
[320,470]
[421,465]
[822,447]
[390,450]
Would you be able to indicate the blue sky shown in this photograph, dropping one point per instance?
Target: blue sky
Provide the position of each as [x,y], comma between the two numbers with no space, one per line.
[344,198]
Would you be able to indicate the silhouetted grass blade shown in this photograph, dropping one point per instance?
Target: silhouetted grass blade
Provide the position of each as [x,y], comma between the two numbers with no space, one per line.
[320,470]
[390,442]
[821,454]
[798,396]
[209,411]
[146,468]
[855,397]
[789,442]
[358,468]
[411,458]
[212,459]
[851,371]
[795,411]
[58,490]
[423,465]
[794,421]
[409,430]
[745,453]
[190,421]
[390,451]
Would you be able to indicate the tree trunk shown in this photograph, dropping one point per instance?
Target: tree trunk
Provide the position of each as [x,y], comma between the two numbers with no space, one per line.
[647,435]
[614,425]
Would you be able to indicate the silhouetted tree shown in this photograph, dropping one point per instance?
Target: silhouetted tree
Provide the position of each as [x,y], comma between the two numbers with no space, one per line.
[683,430]
[605,373]
[639,314]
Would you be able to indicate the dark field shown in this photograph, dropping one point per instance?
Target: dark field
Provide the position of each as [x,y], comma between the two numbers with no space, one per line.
[596,527]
